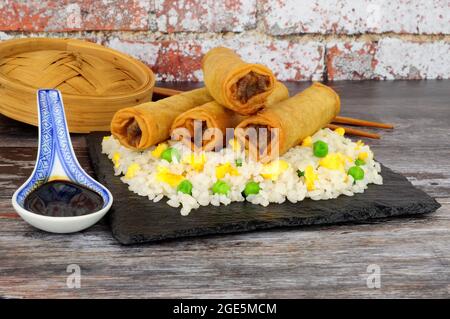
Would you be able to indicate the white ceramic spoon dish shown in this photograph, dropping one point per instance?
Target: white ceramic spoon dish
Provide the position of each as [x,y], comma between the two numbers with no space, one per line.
[56,160]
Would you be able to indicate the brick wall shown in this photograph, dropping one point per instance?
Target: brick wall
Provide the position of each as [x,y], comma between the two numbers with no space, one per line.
[298,39]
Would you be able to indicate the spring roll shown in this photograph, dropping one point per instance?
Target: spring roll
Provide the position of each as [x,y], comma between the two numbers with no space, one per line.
[287,123]
[147,124]
[204,127]
[237,85]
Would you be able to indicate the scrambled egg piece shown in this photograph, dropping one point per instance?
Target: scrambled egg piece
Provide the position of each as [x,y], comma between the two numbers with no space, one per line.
[132,169]
[164,175]
[334,161]
[196,161]
[115,159]
[105,138]
[307,141]
[274,169]
[310,178]
[159,149]
[225,169]
[340,131]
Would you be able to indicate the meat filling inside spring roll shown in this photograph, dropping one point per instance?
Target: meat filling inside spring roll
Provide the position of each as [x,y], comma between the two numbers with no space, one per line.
[134,133]
[277,128]
[144,125]
[250,85]
[235,84]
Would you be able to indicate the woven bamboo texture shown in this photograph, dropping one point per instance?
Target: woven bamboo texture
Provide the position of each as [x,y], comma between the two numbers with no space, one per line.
[95,81]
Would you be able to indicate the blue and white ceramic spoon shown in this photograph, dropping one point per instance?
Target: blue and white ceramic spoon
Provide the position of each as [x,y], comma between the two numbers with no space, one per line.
[56,161]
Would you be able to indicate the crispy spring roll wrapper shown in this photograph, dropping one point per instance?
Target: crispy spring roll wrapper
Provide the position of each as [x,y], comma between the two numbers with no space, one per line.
[293,119]
[204,127]
[147,124]
[237,85]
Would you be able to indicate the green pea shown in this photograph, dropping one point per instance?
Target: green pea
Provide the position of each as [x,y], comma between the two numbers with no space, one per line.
[185,187]
[251,188]
[356,172]
[320,149]
[300,173]
[221,187]
[170,153]
[359,162]
[238,162]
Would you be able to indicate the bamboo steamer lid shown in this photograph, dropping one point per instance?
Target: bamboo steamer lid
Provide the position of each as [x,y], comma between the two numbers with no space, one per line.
[95,81]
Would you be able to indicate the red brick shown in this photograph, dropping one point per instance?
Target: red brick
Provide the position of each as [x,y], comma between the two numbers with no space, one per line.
[16,16]
[205,16]
[95,37]
[170,60]
[180,59]
[351,60]
[67,15]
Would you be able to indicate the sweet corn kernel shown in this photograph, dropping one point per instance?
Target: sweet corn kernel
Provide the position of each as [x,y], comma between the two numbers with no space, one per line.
[363,156]
[159,149]
[307,141]
[340,131]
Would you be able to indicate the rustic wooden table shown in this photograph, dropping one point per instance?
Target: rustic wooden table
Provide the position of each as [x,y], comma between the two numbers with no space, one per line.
[413,253]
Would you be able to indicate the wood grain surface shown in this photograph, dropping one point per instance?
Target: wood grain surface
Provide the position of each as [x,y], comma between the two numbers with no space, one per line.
[412,253]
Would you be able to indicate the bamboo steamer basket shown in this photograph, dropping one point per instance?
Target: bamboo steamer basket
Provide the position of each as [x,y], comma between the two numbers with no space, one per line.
[95,81]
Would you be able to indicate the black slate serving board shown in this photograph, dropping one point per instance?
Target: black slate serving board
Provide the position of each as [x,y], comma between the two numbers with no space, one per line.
[134,219]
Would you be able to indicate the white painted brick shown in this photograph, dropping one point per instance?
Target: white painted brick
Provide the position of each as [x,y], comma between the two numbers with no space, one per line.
[399,59]
[205,16]
[147,52]
[357,16]
[388,59]
[290,60]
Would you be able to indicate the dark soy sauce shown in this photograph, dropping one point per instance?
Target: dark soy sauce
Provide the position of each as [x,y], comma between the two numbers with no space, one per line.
[63,199]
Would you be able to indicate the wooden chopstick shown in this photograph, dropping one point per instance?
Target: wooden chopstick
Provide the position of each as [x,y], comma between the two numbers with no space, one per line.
[353,131]
[338,119]
[358,122]
[165,91]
